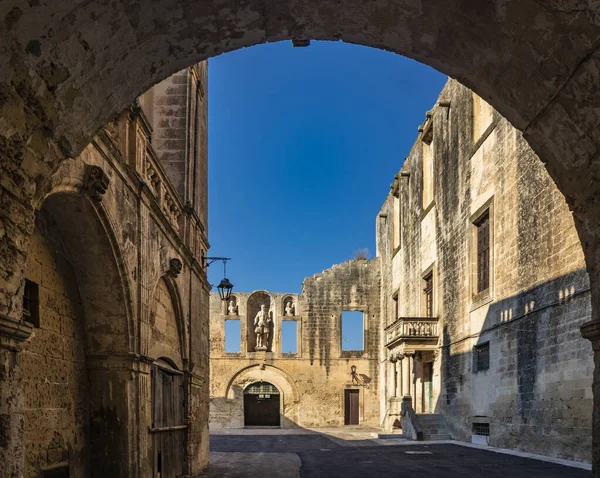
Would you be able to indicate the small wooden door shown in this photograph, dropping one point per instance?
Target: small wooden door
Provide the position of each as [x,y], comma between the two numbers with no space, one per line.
[168,429]
[351,407]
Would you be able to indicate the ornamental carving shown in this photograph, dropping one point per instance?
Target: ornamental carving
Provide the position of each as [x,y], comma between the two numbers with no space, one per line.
[175,267]
[96,182]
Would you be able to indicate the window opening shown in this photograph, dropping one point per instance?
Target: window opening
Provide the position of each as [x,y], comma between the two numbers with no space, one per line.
[31,303]
[232,336]
[353,330]
[428,294]
[289,337]
[483,253]
[481,356]
[481,429]
[396,306]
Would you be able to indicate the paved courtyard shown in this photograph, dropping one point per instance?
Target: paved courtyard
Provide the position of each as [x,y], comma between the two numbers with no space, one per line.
[348,453]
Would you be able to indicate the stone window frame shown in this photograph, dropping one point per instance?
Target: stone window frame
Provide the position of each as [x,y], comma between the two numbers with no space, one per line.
[31,302]
[396,304]
[298,353]
[396,224]
[479,299]
[353,353]
[428,144]
[430,271]
[476,102]
[478,359]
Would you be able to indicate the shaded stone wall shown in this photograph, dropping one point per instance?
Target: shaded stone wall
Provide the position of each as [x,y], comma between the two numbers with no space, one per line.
[312,381]
[54,365]
[537,392]
[117,256]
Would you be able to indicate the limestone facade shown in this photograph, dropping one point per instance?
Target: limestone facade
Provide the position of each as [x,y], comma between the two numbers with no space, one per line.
[313,382]
[484,288]
[109,371]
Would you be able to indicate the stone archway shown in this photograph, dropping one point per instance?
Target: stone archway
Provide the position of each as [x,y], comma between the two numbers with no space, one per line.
[234,394]
[66,68]
[85,233]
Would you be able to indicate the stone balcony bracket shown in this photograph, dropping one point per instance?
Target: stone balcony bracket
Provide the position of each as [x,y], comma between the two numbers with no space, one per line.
[591,331]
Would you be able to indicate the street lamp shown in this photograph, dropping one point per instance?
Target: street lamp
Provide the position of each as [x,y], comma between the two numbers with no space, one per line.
[225,287]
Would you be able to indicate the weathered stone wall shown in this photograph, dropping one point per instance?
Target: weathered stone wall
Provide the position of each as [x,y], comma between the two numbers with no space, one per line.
[54,365]
[537,392]
[312,382]
[117,257]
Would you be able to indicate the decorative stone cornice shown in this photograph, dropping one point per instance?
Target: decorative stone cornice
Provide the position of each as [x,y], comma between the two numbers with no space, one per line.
[17,330]
[591,331]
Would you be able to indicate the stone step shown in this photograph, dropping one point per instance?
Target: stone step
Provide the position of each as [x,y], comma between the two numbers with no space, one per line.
[389,436]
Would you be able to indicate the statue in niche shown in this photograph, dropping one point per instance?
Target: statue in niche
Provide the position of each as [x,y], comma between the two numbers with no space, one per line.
[232,309]
[289,309]
[262,321]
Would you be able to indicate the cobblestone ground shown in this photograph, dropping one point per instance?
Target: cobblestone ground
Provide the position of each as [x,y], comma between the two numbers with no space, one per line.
[311,455]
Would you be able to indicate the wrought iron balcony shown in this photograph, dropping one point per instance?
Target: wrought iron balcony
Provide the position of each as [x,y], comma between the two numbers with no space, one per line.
[412,329]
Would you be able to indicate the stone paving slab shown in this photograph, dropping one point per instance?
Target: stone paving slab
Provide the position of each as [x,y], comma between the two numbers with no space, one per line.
[440,461]
[246,465]
[326,453]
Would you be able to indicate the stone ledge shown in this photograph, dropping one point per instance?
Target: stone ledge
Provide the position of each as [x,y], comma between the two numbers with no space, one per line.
[12,329]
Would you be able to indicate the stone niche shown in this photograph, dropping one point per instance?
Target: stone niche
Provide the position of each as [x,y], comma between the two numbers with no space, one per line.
[252,308]
[284,306]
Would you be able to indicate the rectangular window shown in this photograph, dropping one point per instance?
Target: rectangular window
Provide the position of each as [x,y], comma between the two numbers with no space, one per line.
[31,305]
[428,294]
[396,306]
[481,357]
[232,336]
[427,174]
[481,429]
[483,117]
[353,330]
[396,224]
[483,253]
[289,337]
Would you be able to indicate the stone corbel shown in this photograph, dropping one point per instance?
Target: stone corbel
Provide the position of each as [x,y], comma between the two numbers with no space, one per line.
[175,267]
[591,331]
[96,182]
[10,328]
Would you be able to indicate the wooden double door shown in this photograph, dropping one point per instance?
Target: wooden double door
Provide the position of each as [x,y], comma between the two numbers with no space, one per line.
[262,405]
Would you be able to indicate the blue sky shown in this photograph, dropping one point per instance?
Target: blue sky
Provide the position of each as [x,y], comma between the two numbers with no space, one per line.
[303,145]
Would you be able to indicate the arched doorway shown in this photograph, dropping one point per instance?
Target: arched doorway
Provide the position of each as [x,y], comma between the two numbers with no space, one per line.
[261,405]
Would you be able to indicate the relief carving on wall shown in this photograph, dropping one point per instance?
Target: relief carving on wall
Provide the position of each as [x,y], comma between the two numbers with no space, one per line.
[175,267]
[96,182]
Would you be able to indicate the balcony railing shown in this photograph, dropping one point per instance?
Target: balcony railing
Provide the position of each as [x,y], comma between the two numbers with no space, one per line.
[412,329]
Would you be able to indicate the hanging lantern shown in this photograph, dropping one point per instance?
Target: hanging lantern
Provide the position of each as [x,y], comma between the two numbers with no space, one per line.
[225,288]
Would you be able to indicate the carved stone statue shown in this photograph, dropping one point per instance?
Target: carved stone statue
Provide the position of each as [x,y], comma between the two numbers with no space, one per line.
[232,309]
[289,309]
[262,321]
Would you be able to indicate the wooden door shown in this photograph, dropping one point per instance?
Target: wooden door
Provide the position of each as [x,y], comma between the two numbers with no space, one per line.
[351,407]
[168,428]
[261,410]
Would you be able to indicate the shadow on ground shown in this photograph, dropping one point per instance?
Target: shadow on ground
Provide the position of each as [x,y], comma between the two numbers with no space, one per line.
[347,453]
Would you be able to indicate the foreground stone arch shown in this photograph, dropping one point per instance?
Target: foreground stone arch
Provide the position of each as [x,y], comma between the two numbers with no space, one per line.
[68,67]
